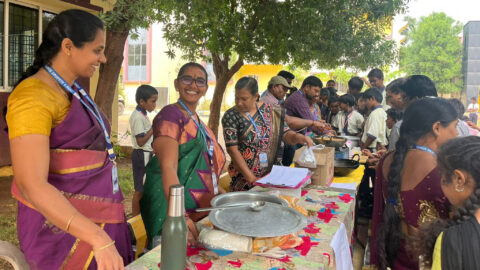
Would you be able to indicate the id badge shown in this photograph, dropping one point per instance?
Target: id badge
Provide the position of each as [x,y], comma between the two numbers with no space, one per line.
[115,178]
[263,160]
[215,183]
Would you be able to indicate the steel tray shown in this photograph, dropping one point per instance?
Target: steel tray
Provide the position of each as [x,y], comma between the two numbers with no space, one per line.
[245,196]
[274,220]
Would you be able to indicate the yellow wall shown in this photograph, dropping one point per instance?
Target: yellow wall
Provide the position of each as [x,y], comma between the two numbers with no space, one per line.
[263,72]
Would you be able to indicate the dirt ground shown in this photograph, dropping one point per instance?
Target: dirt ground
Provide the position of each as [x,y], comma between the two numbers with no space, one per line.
[7,202]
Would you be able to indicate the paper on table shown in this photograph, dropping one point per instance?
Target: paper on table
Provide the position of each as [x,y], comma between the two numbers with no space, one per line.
[287,177]
[351,186]
[343,258]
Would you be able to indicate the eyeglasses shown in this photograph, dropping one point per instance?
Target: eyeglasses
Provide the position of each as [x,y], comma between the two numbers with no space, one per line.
[188,80]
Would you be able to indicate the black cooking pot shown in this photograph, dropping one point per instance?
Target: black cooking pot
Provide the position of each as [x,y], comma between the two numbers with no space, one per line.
[344,167]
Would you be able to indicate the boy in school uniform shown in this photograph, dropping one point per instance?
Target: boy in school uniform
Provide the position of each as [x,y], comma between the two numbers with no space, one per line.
[141,128]
[351,121]
[374,136]
[333,112]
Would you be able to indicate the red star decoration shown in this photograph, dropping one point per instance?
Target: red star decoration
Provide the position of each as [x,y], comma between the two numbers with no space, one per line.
[192,251]
[203,266]
[332,205]
[311,229]
[285,259]
[346,198]
[236,263]
[326,215]
[306,246]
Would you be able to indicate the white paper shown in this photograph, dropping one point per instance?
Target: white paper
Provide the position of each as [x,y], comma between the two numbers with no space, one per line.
[351,186]
[343,257]
[284,176]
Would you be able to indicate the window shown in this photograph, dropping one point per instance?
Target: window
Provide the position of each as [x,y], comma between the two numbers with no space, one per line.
[24,29]
[47,17]
[22,40]
[137,57]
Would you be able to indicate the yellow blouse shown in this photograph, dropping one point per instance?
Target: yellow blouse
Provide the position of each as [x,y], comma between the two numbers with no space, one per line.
[35,108]
[437,253]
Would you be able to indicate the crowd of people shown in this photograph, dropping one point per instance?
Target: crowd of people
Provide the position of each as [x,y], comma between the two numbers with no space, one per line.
[423,159]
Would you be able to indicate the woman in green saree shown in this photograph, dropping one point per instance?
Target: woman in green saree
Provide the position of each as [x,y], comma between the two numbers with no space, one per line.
[186,153]
[254,134]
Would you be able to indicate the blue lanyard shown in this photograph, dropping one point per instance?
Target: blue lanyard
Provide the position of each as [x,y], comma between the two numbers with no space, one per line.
[260,136]
[423,148]
[300,91]
[206,137]
[92,107]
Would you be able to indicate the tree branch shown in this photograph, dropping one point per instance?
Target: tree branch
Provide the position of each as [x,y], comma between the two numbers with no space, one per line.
[236,66]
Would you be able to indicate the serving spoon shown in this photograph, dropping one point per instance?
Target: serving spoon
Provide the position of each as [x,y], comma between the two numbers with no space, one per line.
[255,206]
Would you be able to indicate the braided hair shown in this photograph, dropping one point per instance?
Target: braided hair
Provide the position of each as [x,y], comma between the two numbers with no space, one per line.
[458,154]
[77,25]
[418,121]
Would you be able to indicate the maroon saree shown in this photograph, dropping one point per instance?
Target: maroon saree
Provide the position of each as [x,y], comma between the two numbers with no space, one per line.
[418,206]
[81,171]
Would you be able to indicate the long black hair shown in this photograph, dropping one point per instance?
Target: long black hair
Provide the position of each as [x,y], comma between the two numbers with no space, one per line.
[418,121]
[458,154]
[77,25]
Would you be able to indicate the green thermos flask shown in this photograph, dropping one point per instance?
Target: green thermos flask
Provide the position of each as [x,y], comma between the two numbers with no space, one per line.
[174,232]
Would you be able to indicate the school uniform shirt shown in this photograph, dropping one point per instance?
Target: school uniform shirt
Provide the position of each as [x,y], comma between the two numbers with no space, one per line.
[139,126]
[473,106]
[384,98]
[375,127]
[351,123]
[337,121]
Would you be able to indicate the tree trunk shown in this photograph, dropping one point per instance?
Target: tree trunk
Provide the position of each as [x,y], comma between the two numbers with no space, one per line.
[108,78]
[223,75]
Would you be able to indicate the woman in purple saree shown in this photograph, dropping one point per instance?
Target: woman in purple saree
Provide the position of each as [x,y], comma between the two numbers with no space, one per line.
[69,205]
[407,188]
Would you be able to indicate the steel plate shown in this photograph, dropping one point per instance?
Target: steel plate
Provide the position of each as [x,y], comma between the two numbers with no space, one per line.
[273,220]
[245,196]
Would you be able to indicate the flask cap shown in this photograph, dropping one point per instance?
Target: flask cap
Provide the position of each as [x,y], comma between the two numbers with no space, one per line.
[176,190]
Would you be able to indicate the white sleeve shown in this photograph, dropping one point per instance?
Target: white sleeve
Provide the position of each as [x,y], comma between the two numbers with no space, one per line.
[136,126]
[374,129]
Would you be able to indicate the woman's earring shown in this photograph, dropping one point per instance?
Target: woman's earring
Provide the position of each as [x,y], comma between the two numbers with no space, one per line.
[458,189]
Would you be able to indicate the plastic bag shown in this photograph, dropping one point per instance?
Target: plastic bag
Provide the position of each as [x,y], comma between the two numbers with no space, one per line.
[307,158]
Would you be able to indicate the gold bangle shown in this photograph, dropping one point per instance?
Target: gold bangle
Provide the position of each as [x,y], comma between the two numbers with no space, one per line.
[70,221]
[104,247]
